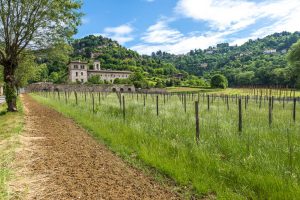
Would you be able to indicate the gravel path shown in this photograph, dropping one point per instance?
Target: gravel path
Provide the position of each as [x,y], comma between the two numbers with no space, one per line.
[59,160]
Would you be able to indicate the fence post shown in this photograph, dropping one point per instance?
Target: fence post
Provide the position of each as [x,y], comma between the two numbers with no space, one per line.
[66,97]
[157,105]
[93,100]
[184,103]
[75,94]
[240,116]
[270,111]
[124,117]
[294,110]
[197,121]
[208,101]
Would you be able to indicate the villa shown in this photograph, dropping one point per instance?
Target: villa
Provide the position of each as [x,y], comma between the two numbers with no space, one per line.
[80,72]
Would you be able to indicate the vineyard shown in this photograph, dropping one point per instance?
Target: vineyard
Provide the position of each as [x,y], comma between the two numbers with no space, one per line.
[228,145]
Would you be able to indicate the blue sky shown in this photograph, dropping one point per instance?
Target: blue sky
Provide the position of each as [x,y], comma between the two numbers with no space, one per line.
[177,26]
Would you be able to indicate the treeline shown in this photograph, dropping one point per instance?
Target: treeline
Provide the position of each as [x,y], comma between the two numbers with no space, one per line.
[257,62]
[155,72]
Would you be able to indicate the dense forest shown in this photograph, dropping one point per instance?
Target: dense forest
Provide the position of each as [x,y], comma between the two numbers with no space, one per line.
[257,62]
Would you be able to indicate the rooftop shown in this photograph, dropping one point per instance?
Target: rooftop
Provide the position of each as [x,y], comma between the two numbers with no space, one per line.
[109,71]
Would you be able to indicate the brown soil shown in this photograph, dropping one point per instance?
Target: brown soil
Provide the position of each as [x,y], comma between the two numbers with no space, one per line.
[59,160]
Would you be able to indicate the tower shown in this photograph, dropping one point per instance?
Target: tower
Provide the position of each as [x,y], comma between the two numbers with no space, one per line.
[97,66]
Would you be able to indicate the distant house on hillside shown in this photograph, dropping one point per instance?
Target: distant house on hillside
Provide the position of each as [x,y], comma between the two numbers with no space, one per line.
[209,52]
[204,65]
[95,55]
[283,51]
[80,72]
[269,51]
[178,76]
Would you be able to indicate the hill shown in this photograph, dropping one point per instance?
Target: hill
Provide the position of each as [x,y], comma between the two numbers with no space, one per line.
[114,56]
[257,62]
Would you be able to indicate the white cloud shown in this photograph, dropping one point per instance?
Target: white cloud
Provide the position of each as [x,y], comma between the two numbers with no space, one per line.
[121,33]
[237,14]
[287,15]
[183,45]
[221,15]
[161,33]
[224,18]
[119,30]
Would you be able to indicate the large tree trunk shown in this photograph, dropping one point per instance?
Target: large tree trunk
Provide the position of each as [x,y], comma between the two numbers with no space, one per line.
[10,91]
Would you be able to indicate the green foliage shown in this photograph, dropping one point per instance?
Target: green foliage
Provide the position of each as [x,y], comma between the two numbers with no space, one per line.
[114,56]
[294,61]
[219,81]
[245,59]
[95,79]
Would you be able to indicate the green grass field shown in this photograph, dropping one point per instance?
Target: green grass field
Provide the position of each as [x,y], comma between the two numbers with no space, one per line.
[261,162]
[11,124]
[234,91]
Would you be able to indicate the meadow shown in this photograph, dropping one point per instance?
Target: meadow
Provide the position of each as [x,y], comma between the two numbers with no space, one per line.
[261,161]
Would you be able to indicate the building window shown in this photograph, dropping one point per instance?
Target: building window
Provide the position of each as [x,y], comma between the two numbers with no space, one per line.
[82,66]
[75,66]
[76,73]
[81,73]
[81,80]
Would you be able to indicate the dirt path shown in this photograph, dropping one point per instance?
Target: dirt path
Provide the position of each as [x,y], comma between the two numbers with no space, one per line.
[59,160]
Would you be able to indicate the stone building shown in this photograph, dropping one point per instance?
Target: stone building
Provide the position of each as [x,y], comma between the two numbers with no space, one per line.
[80,72]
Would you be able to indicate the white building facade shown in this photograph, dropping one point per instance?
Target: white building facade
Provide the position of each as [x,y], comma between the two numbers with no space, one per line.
[80,72]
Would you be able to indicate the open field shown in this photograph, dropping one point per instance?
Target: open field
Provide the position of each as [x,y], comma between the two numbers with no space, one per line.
[190,89]
[11,125]
[236,91]
[260,162]
[259,92]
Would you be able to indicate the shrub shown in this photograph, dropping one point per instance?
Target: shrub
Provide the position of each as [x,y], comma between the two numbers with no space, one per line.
[219,81]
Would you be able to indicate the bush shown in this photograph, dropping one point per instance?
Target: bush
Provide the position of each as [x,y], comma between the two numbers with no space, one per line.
[95,79]
[219,81]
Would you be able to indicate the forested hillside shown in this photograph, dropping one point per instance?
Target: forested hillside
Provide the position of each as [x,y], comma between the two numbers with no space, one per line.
[253,63]
[157,73]
[257,62]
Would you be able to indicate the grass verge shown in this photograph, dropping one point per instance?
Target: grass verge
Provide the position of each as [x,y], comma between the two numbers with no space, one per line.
[11,125]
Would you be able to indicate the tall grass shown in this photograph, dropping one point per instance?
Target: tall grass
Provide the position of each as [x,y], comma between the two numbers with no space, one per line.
[261,162]
[11,124]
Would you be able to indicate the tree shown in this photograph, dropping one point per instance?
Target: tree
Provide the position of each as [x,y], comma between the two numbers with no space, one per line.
[26,71]
[95,79]
[294,60]
[219,81]
[28,25]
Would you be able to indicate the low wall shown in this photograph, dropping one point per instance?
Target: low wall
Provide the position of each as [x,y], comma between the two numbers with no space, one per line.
[80,88]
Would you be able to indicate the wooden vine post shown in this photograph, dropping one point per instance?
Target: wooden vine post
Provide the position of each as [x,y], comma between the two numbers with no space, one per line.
[197,121]
[240,116]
